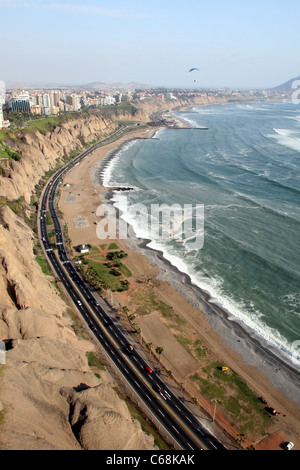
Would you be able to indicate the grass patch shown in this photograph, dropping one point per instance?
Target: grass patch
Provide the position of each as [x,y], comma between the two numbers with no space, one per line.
[7,152]
[99,257]
[124,270]
[94,250]
[75,323]
[104,274]
[93,361]
[237,402]
[44,265]
[49,220]
[44,124]
[113,246]
[56,286]
[147,303]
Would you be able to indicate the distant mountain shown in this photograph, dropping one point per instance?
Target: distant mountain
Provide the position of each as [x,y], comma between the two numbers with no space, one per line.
[287,86]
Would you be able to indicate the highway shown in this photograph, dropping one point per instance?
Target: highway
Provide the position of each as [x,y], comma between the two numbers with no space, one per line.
[167,408]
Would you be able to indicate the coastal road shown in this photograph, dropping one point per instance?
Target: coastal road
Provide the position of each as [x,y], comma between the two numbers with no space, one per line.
[167,408]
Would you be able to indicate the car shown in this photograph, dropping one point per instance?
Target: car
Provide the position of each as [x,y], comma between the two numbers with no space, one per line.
[147,369]
[157,388]
[288,445]
[79,303]
[129,348]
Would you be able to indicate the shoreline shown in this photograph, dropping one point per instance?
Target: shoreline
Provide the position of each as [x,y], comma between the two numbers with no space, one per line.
[277,351]
[241,348]
[254,349]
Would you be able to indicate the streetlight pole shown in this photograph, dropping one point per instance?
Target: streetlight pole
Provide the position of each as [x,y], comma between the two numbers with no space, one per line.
[214,409]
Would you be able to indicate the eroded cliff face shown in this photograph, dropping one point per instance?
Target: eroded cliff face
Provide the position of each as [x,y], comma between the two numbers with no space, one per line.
[49,396]
[41,152]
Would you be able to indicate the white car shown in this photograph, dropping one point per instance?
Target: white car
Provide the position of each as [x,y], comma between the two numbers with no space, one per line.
[289,445]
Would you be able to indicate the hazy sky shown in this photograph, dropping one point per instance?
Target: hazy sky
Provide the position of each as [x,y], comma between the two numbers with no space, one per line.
[236,43]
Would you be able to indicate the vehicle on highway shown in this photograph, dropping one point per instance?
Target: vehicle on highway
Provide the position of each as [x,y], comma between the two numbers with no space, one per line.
[163,393]
[288,445]
[147,369]
[129,348]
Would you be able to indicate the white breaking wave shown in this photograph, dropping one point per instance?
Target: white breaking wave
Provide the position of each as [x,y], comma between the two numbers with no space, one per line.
[287,138]
[237,312]
[107,172]
[213,286]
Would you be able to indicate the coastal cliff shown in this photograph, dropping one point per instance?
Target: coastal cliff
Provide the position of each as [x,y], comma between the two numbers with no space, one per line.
[42,151]
[50,398]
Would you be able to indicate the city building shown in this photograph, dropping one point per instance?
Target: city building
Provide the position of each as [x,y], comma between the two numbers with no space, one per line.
[20,103]
[74,101]
[46,100]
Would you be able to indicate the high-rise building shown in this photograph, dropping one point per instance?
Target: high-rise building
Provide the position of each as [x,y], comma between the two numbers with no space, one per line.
[56,98]
[46,100]
[20,103]
[74,101]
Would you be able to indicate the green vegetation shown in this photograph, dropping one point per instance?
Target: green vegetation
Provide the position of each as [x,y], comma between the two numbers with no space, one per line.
[112,246]
[147,303]
[44,265]
[237,402]
[44,125]
[93,361]
[193,347]
[75,323]
[103,273]
[18,206]
[6,152]
[56,286]
[49,220]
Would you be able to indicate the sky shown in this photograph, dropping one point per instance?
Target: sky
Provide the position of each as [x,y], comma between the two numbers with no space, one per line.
[234,43]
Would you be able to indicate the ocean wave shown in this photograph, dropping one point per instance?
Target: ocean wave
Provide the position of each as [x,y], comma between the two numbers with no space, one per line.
[286,138]
[236,311]
[270,165]
[113,160]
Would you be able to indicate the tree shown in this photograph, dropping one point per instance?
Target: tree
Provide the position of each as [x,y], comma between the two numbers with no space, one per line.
[159,351]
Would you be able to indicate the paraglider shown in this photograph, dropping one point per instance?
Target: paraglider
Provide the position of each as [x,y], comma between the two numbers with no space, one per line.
[192,70]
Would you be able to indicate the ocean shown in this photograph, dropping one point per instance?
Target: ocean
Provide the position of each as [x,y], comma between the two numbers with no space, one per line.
[244,172]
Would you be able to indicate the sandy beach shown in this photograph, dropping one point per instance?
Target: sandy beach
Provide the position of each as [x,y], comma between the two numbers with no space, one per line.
[177,316]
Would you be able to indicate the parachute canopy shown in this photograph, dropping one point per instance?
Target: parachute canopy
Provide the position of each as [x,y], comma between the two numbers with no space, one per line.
[192,69]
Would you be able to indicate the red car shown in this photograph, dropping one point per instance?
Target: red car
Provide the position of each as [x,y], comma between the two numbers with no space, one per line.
[147,368]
